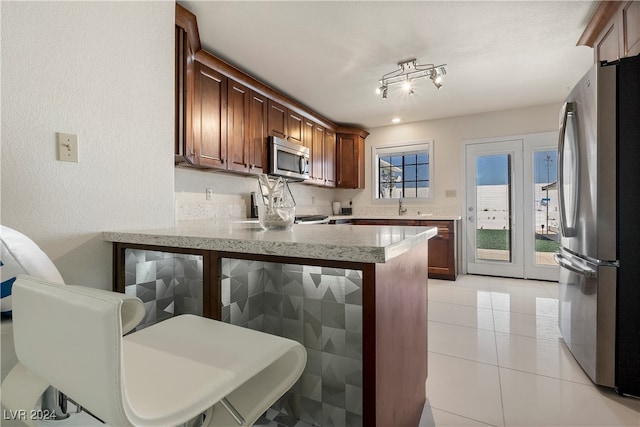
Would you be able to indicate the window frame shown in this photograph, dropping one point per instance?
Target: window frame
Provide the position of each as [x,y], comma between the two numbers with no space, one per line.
[390,149]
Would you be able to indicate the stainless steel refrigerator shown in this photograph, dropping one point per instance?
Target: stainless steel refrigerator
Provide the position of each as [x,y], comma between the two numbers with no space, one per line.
[599,203]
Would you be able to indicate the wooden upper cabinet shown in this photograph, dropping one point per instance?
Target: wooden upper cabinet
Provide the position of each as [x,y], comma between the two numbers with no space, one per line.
[181,93]
[238,102]
[224,118]
[187,44]
[278,119]
[329,158]
[258,132]
[613,31]
[285,123]
[631,25]
[295,124]
[317,155]
[209,117]
[350,158]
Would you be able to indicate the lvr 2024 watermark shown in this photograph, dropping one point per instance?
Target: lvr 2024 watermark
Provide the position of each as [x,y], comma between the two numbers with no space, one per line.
[24,414]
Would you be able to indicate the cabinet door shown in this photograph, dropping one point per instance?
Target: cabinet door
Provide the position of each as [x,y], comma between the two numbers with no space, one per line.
[441,261]
[607,48]
[209,117]
[295,127]
[307,138]
[442,251]
[329,158]
[317,155]
[258,113]
[631,24]
[278,118]
[239,99]
[350,162]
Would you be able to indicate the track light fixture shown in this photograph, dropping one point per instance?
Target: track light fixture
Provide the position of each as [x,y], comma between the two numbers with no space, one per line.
[408,71]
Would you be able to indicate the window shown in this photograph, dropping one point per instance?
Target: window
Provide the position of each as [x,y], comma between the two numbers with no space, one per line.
[403,171]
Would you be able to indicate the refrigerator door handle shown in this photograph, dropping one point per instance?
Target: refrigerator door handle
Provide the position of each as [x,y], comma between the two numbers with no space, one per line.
[567,228]
[581,270]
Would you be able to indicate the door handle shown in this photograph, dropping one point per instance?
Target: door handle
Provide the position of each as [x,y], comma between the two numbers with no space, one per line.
[564,263]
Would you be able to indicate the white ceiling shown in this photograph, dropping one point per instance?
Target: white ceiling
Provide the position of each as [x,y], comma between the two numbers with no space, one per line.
[330,55]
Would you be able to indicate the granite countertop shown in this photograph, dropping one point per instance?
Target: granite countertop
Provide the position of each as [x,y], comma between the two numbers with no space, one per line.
[370,244]
[428,217]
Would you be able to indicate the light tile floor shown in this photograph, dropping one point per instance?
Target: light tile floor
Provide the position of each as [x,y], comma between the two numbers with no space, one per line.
[496,358]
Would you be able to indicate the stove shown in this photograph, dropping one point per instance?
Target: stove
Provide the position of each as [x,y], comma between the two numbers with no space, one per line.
[311,219]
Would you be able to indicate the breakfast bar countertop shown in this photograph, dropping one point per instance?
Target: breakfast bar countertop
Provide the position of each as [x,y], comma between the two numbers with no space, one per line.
[371,244]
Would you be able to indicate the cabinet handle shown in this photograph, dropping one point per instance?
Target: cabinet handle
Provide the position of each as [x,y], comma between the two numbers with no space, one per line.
[222,161]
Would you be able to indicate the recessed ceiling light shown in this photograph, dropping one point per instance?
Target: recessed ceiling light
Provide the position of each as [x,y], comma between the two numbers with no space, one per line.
[396,120]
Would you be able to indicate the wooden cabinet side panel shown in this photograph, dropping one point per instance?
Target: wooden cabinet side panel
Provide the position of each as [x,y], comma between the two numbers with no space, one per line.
[401,338]
[180,88]
[631,29]
[209,117]
[237,127]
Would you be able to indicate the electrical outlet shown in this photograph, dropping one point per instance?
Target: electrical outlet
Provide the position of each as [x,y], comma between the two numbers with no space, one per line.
[67,147]
[209,193]
[450,193]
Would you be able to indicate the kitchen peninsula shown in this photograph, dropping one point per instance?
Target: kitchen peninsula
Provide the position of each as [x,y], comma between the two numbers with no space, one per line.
[355,296]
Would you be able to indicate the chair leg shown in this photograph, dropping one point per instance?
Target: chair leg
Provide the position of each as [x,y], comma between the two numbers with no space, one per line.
[233,411]
[201,420]
[54,402]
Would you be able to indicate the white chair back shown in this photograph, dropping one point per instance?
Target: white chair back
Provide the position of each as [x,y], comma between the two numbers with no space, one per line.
[72,337]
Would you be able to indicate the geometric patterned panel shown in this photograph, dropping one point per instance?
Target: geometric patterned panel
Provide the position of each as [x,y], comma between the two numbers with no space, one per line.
[321,308]
[168,284]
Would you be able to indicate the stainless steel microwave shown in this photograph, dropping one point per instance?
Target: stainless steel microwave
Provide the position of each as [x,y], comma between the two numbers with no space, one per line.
[288,159]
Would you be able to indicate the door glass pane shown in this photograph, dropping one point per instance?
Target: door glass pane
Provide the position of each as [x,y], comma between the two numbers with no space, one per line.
[493,208]
[546,206]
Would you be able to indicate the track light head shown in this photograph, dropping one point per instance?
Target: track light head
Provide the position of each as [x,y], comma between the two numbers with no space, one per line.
[409,70]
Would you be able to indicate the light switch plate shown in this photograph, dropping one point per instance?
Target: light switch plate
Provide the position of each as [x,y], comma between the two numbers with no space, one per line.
[67,145]
[450,193]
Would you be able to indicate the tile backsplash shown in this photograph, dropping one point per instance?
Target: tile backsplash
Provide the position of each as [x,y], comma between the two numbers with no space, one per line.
[195,206]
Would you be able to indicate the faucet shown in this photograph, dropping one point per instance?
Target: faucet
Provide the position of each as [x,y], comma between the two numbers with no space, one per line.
[401,210]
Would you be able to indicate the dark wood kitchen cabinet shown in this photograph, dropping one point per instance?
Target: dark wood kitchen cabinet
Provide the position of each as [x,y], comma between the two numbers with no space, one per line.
[209,119]
[442,251]
[317,155]
[350,165]
[329,158]
[285,123]
[187,44]
[246,129]
[613,31]
[443,248]
[322,144]
[224,117]
[238,101]
[258,133]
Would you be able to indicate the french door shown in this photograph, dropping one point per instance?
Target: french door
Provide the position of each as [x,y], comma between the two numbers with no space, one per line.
[511,215]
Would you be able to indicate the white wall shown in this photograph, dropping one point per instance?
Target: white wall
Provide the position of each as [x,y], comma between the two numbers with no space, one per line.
[448,134]
[103,71]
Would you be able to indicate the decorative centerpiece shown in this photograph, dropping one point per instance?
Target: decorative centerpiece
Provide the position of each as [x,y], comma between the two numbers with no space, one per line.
[276,206]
